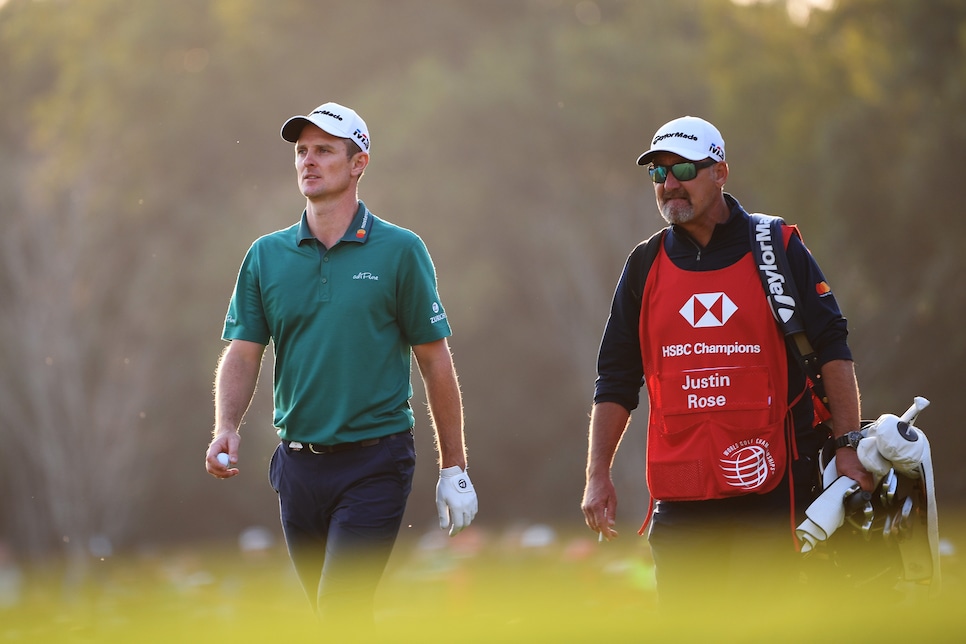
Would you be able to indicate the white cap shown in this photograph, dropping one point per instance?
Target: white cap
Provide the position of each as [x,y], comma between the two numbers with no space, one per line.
[690,137]
[335,119]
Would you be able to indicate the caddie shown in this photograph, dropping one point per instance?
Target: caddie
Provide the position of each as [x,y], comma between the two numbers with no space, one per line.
[731,446]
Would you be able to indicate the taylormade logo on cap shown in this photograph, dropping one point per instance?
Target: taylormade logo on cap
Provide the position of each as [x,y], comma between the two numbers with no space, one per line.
[658,139]
[335,119]
[690,137]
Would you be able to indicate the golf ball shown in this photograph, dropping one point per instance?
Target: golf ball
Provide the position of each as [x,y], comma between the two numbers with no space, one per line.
[223,459]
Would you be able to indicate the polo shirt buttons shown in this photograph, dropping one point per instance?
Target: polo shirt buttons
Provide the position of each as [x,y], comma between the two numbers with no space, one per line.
[324,269]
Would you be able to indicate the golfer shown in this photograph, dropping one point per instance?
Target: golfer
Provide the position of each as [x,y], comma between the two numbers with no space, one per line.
[346,298]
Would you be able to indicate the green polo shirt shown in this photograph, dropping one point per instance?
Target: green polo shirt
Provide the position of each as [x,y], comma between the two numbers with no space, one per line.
[343,322]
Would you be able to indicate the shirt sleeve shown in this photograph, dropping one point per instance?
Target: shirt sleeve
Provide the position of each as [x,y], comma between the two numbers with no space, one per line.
[420,312]
[246,318]
[620,367]
[825,326]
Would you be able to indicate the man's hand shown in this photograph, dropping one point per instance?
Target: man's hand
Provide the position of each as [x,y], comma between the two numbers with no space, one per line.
[455,499]
[848,464]
[600,507]
[224,442]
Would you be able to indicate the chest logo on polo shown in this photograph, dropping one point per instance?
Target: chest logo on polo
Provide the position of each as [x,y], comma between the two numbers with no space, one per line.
[705,310]
[365,275]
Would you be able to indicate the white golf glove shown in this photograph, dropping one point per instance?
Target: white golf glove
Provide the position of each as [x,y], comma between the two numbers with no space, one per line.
[455,499]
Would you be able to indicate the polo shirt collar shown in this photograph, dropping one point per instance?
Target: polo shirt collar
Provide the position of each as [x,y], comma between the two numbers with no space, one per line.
[360,227]
[358,230]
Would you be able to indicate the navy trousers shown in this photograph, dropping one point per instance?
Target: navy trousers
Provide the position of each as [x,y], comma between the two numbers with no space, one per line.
[341,513]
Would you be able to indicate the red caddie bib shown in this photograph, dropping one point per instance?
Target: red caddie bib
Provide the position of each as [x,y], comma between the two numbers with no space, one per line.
[715,366]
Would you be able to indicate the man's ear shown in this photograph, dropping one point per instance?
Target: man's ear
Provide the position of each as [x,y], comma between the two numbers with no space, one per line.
[359,162]
[720,173]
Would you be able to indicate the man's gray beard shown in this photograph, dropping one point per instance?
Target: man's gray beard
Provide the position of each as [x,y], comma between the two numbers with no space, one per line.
[677,215]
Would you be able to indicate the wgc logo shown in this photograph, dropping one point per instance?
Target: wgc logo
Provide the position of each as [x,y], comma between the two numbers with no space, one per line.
[747,464]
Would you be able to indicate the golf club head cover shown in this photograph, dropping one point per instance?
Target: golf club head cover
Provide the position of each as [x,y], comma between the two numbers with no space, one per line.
[455,499]
[899,443]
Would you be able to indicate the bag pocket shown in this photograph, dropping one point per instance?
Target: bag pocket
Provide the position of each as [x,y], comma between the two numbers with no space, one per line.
[713,460]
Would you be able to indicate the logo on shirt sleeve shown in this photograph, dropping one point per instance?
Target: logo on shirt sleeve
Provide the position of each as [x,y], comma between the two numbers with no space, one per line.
[438,314]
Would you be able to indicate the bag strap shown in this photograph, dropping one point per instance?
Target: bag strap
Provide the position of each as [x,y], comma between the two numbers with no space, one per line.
[768,248]
[651,248]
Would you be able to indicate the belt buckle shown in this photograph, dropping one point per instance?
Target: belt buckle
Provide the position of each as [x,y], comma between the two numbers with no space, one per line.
[295,446]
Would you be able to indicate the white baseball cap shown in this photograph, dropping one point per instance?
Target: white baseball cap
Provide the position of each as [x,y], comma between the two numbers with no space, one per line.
[335,119]
[690,137]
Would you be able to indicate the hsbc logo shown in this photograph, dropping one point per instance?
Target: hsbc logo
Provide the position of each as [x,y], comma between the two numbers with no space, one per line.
[706,310]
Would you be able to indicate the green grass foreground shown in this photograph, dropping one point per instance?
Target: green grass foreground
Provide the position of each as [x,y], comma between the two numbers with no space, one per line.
[468,589]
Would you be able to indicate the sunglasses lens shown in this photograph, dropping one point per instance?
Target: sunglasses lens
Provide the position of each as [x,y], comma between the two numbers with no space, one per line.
[658,173]
[684,171]
[681,171]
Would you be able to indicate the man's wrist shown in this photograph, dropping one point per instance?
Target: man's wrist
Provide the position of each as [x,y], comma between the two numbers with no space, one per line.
[850,440]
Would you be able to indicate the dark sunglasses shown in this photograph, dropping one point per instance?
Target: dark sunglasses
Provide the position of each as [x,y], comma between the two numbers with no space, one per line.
[681,171]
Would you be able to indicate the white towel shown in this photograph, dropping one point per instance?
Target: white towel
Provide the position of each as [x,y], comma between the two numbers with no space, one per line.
[826,514]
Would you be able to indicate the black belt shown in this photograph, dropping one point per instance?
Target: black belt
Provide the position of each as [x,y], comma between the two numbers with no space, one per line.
[318,448]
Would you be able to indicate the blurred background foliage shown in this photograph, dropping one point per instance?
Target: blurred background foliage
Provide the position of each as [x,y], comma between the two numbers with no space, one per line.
[140,156]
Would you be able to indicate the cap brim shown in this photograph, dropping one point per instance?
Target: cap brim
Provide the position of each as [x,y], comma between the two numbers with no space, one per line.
[645,158]
[293,128]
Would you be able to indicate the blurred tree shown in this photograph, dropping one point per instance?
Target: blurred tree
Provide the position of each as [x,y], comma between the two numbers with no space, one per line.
[889,170]
[75,383]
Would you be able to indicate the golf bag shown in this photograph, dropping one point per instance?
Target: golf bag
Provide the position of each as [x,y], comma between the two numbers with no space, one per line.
[891,535]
